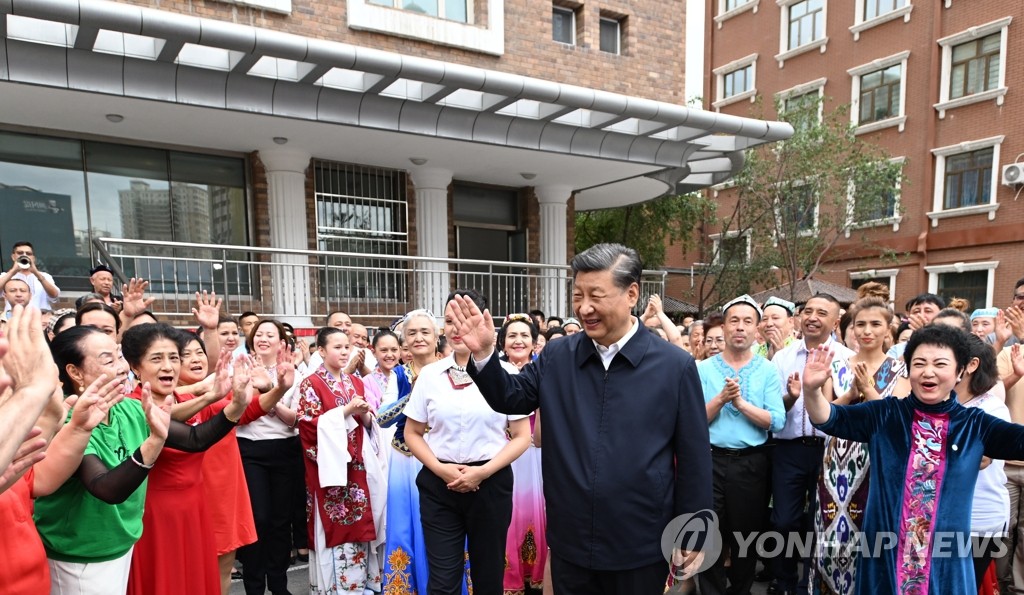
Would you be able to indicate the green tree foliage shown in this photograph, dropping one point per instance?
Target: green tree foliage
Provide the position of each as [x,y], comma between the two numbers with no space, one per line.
[798,200]
[647,227]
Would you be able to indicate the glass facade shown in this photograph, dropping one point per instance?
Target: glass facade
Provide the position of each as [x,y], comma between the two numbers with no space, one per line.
[60,194]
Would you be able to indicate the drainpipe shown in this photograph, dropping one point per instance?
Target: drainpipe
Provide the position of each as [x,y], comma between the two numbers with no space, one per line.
[935,69]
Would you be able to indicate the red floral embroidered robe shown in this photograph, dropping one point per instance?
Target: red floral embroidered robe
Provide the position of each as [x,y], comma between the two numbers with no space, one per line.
[345,512]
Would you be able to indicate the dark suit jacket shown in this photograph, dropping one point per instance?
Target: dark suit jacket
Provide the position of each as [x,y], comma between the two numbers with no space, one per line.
[625,450]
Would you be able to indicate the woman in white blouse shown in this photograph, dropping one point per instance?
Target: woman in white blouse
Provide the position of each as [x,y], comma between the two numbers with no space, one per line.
[466,482]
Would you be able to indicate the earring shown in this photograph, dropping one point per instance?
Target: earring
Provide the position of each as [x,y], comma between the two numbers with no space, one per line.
[81,389]
[960,378]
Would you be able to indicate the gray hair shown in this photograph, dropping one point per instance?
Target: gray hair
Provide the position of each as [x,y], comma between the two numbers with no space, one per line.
[624,263]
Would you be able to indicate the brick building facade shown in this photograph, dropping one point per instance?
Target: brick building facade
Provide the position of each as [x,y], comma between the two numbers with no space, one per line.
[936,84]
[437,129]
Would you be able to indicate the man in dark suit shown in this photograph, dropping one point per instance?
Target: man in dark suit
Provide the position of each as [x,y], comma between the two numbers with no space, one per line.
[625,432]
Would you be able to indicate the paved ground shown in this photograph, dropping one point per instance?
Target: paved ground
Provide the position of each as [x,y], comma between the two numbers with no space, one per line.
[298,583]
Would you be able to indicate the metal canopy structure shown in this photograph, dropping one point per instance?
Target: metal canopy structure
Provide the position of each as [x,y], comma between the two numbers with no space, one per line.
[123,50]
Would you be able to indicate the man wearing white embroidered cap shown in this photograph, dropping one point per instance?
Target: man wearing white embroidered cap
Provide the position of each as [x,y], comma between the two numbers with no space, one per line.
[799,447]
[743,403]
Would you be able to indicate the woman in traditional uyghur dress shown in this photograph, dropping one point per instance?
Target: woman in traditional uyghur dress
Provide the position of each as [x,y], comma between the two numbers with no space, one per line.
[345,475]
[405,555]
[526,548]
[926,451]
[843,485]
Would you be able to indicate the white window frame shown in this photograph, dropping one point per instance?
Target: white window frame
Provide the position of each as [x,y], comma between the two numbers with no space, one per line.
[860,24]
[281,6]
[716,239]
[895,220]
[817,85]
[363,15]
[1000,26]
[733,66]
[857,72]
[571,11]
[891,274]
[724,15]
[618,34]
[963,267]
[784,53]
[941,154]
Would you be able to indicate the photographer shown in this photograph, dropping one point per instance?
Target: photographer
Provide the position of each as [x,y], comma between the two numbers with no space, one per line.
[44,291]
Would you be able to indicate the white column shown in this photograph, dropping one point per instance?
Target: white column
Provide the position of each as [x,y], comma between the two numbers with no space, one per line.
[554,288]
[286,186]
[432,236]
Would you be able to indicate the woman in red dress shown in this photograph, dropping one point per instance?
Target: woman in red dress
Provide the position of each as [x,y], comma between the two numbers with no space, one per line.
[224,486]
[177,552]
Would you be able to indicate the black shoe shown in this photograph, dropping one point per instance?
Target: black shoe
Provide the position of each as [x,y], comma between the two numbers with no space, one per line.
[304,558]
[236,575]
[764,576]
[774,589]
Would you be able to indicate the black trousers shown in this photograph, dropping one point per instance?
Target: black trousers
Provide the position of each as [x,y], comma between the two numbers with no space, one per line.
[740,485]
[453,522]
[796,465]
[569,579]
[270,472]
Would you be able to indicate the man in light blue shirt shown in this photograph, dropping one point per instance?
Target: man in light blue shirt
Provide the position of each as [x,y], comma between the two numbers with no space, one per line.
[743,401]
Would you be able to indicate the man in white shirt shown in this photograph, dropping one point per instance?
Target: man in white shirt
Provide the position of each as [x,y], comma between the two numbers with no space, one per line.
[796,460]
[23,266]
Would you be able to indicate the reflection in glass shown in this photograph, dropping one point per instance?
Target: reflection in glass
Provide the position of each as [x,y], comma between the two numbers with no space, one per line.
[42,198]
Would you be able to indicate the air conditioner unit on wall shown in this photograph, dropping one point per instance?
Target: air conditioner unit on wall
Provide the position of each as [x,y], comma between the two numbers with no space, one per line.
[1013,174]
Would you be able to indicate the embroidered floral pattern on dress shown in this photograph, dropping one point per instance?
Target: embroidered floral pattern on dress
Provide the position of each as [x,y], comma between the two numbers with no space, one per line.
[397,581]
[925,472]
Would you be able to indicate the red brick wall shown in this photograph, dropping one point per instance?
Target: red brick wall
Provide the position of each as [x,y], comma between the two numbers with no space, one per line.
[651,65]
[960,239]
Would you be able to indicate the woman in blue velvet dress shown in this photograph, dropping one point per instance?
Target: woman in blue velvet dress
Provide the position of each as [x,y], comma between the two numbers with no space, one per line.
[926,452]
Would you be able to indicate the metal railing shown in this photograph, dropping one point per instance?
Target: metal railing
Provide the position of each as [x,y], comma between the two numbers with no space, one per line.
[307,285]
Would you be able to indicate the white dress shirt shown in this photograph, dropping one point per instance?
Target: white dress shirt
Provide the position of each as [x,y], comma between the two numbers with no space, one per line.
[463,427]
[792,359]
[608,353]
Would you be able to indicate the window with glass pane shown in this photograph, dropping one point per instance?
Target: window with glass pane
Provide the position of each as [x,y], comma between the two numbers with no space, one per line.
[799,209]
[856,283]
[361,210]
[734,4]
[875,200]
[453,10]
[880,94]
[65,193]
[875,8]
[563,25]
[975,66]
[611,32]
[801,111]
[970,285]
[968,179]
[43,200]
[737,81]
[733,250]
[806,22]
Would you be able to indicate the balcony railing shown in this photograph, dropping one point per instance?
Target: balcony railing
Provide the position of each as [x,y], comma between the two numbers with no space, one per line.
[306,285]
